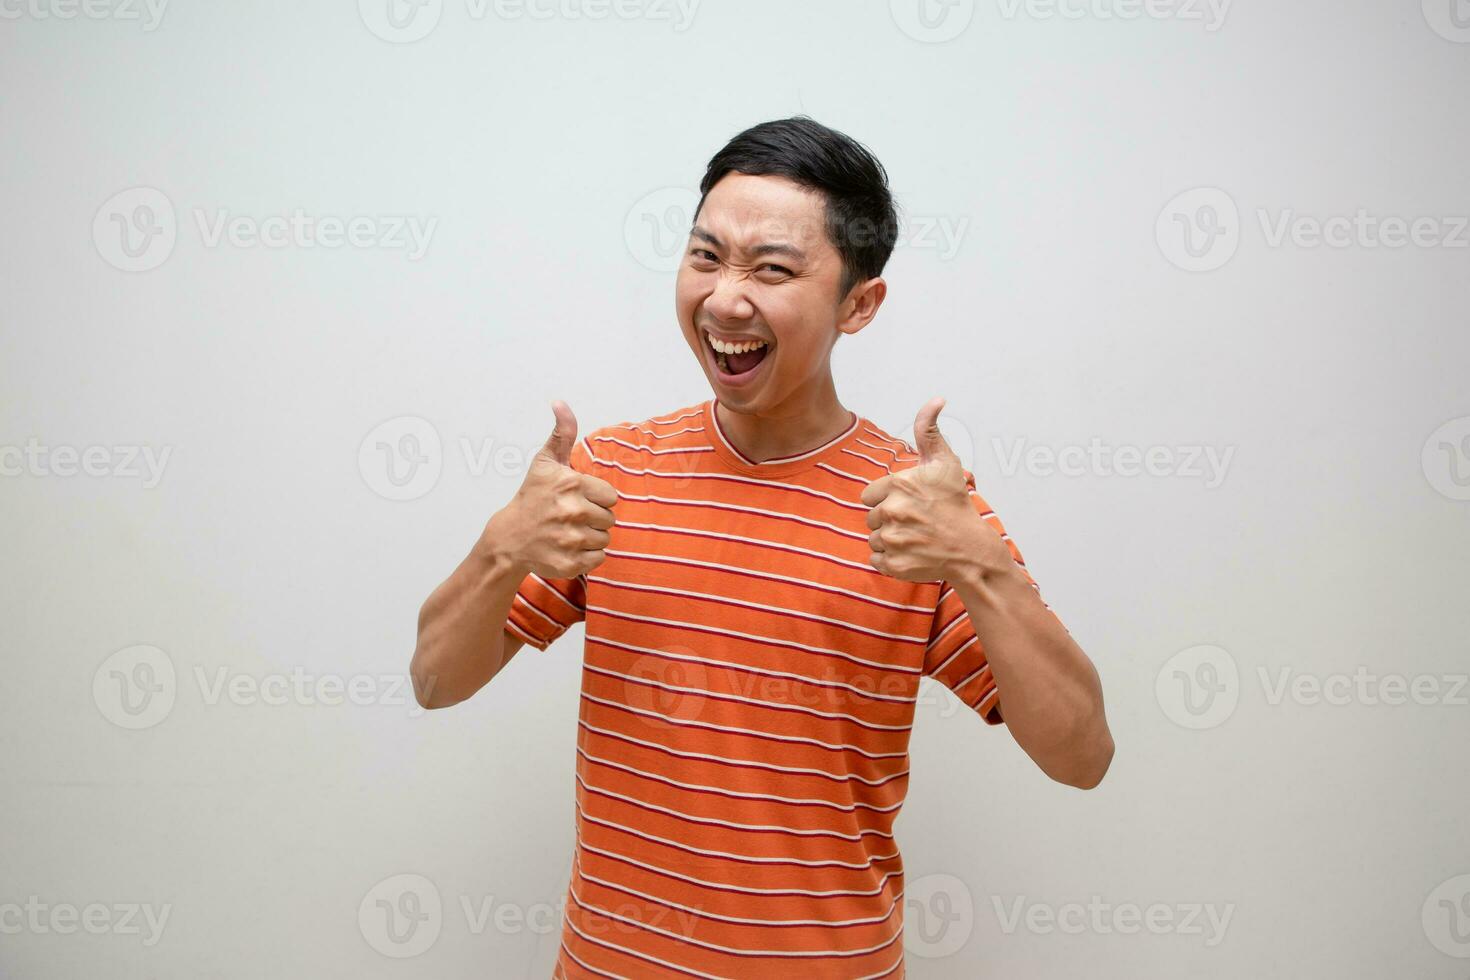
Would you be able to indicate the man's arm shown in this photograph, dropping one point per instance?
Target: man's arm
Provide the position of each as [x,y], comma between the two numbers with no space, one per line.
[926,528]
[463,641]
[1048,688]
[556,525]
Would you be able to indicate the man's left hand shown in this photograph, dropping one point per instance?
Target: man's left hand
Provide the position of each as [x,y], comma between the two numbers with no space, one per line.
[924,526]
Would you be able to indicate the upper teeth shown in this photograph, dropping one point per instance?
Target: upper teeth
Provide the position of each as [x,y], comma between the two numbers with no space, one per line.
[725,348]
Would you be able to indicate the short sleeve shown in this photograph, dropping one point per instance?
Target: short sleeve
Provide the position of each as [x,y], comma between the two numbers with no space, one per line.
[954,656]
[545,608]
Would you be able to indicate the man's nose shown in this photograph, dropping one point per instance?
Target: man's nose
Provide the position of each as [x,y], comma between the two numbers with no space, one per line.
[727,301]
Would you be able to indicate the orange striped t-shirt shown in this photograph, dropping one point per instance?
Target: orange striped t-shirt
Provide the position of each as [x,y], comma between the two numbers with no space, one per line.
[748,688]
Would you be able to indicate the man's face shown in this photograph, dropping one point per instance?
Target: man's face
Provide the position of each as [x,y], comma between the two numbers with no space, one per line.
[759,267]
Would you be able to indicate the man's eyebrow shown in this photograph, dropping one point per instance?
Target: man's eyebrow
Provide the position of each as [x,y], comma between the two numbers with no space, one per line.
[779,248]
[765,248]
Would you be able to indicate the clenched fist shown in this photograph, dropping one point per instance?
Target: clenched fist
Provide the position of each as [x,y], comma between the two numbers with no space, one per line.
[556,524]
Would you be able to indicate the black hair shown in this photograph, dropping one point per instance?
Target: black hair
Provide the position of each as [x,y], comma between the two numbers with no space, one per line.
[862,219]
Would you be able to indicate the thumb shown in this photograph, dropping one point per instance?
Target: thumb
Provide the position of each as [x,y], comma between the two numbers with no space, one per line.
[564,436]
[927,437]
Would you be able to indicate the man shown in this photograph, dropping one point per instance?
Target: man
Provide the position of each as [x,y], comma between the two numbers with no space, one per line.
[764,577]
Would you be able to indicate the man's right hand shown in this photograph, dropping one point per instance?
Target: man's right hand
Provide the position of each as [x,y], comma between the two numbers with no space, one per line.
[557,523]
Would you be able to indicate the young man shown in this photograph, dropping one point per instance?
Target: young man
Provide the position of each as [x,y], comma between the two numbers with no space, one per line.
[764,577]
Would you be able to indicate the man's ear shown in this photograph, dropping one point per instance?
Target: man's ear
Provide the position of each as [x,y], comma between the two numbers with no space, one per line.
[861,305]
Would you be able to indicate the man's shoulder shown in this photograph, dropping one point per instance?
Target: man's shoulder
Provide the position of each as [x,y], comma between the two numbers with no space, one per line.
[684,418]
[646,440]
[892,453]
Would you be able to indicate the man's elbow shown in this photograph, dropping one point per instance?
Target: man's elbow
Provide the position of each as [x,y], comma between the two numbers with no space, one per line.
[423,666]
[423,691]
[1090,764]
[426,689]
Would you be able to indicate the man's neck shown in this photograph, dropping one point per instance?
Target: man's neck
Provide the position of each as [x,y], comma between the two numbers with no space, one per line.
[787,430]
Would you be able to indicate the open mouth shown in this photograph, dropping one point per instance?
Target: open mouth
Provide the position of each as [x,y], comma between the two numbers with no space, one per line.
[737,361]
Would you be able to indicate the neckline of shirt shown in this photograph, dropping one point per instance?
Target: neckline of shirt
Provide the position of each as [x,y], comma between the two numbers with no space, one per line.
[781,465]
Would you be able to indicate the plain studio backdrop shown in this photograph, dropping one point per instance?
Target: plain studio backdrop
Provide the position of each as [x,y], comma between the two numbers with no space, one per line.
[288,289]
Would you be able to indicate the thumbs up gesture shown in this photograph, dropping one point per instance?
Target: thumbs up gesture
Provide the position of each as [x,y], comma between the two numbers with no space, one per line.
[924,527]
[557,523]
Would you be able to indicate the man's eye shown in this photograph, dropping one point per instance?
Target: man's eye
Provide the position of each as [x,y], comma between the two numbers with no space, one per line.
[780,269]
[704,253]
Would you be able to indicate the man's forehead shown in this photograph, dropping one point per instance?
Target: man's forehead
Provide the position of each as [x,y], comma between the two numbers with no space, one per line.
[745,212]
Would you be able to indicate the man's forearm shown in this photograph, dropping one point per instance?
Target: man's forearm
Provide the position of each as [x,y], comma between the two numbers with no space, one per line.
[1050,693]
[461,634]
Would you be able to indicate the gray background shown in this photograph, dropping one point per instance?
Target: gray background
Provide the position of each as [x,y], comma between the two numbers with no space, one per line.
[546,150]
